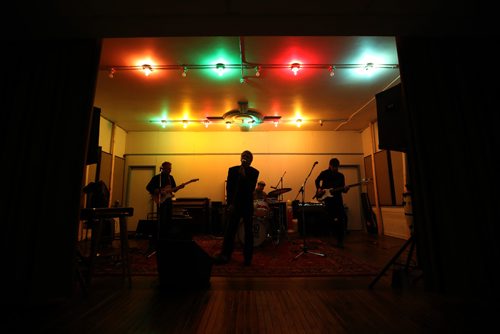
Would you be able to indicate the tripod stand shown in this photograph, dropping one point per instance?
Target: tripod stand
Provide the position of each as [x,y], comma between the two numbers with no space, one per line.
[411,243]
[305,250]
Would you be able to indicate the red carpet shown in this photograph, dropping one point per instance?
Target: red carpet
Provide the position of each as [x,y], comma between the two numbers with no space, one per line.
[269,260]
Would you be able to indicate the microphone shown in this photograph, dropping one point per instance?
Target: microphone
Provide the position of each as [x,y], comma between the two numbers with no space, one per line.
[315,163]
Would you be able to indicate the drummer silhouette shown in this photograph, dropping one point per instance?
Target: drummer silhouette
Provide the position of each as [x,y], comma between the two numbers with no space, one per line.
[259,192]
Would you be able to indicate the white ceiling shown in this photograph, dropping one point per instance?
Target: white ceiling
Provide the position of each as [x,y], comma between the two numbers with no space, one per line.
[344,102]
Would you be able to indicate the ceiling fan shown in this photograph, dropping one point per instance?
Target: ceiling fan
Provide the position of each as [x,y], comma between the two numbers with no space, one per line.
[244,116]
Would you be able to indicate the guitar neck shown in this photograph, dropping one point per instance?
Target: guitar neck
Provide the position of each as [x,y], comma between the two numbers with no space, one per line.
[167,191]
[176,188]
[349,185]
[329,192]
[181,185]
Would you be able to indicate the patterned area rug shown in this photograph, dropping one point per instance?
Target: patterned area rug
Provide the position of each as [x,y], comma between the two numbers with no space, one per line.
[270,260]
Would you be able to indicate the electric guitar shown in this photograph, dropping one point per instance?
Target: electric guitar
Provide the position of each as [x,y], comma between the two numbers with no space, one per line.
[325,193]
[167,191]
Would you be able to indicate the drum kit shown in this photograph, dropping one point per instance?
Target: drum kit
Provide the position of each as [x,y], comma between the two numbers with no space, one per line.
[269,219]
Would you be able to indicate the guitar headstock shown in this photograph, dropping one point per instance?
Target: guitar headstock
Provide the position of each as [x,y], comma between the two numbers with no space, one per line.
[366,180]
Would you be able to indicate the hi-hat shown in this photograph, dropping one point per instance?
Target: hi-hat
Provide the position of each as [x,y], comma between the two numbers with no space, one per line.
[277,192]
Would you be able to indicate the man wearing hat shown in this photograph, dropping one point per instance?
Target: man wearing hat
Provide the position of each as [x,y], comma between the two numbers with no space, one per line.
[259,192]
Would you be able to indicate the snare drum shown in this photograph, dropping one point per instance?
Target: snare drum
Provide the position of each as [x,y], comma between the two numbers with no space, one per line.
[260,208]
[259,229]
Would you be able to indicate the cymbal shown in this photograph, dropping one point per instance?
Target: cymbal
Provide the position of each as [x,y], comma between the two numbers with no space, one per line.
[277,192]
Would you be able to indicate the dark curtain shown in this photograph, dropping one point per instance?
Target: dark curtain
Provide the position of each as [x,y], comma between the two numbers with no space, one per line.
[47,101]
[451,90]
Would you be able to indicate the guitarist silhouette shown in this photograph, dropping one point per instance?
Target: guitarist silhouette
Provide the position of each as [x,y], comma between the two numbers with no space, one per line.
[331,179]
[161,187]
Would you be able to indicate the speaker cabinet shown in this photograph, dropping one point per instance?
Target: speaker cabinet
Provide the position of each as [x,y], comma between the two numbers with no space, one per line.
[217,218]
[146,229]
[183,264]
[392,120]
[317,221]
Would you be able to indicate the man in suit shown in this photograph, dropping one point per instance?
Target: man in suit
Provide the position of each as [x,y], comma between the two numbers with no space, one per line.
[241,182]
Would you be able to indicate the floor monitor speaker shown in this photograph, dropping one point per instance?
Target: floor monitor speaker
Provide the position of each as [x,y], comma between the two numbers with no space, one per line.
[183,264]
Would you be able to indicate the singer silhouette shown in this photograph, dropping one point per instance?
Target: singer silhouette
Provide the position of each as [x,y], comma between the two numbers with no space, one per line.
[241,182]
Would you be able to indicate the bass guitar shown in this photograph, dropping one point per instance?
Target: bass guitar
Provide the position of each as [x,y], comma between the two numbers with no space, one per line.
[167,191]
[325,193]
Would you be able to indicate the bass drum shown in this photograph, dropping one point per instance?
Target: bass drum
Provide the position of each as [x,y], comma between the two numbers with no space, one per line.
[260,208]
[259,229]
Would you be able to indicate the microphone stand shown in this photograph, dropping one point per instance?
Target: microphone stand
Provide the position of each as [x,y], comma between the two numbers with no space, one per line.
[153,243]
[279,227]
[304,246]
[280,182]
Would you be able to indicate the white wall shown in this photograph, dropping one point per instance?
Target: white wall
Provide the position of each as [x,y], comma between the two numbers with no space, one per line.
[107,139]
[208,156]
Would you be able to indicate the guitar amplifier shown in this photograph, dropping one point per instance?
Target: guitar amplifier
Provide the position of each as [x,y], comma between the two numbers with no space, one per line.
[317,221]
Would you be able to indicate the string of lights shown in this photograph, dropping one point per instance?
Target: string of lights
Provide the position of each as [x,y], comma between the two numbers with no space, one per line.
[148,69]
[185,123]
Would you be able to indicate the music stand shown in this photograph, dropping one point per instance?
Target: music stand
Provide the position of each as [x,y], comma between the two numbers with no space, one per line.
[305,250]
